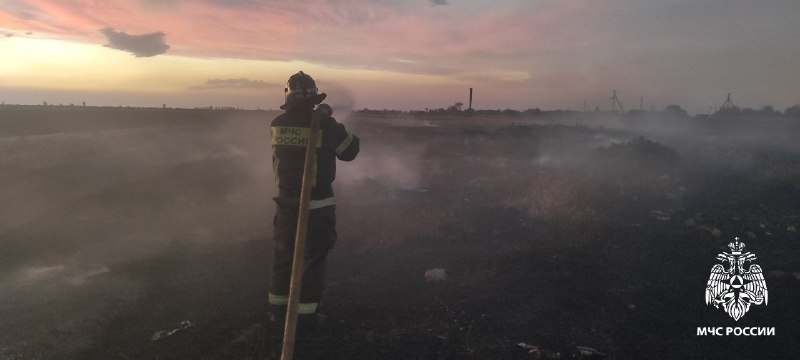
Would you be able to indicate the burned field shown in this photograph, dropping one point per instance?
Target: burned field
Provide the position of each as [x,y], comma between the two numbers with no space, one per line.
[552,235]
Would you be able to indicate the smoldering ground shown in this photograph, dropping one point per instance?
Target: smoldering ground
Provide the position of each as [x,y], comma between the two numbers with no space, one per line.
[92,192]
[89,190]
[548,232]
[563,235]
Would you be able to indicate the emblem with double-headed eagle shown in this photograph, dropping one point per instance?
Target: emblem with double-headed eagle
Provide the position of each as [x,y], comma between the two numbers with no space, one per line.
[734,288]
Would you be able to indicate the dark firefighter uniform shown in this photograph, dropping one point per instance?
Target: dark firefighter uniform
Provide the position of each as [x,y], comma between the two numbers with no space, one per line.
[290,134]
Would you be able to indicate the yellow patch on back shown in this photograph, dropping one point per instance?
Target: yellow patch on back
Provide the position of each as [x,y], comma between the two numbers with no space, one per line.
[293,136]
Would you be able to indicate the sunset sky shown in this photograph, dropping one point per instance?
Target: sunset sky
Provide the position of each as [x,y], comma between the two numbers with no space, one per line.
[402,54]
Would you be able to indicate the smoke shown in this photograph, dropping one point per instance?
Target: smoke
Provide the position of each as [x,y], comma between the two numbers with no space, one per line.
[340,98]
[89,192]
[397,166]
[89,197]
[72,274]
[106,191]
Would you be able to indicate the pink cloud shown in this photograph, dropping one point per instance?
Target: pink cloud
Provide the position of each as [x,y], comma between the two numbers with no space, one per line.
[548,49]
[416,38]
[351,32]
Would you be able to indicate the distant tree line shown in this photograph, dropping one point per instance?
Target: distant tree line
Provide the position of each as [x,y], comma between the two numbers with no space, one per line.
[457,110]
[673,111]
[764,112]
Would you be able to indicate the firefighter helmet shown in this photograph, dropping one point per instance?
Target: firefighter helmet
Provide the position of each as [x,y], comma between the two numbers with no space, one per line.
[301,89]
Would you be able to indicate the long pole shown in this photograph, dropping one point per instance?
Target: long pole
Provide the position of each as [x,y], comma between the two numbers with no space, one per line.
[287,351]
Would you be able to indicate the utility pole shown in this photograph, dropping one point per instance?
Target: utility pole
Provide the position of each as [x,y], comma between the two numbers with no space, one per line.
[470,99]
[615,101]
[728,103]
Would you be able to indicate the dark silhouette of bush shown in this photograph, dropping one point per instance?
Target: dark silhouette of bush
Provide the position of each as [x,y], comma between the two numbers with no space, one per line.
[676,111]
[733,111]
[455,108]
[768,111]
[792,112]
[765,112]
[532,112]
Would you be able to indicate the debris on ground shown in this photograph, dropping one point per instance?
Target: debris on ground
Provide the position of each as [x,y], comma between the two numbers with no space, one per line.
[581,352]
[532,350]
[791,228]
[690,222]
[539,354]
[716,232]
[661,215]
[161,334]
[436,275]
[587,352]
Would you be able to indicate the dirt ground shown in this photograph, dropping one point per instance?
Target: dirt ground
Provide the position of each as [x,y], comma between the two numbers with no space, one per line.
[550,234]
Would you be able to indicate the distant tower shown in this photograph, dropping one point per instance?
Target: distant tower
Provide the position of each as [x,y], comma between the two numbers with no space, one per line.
[641,103]
[728,103]
[615,102]
[470,99]
[585,108]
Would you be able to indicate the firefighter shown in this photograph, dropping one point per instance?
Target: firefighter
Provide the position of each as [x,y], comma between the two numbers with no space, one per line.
[290,132]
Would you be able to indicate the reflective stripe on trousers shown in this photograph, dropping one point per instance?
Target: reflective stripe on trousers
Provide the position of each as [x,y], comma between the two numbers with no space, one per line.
[283,300]
[320,239]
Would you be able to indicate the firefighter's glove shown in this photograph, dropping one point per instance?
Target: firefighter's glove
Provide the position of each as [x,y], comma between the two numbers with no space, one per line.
[326,108]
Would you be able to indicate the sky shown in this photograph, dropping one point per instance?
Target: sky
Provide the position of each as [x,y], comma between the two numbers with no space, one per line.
[402,54]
